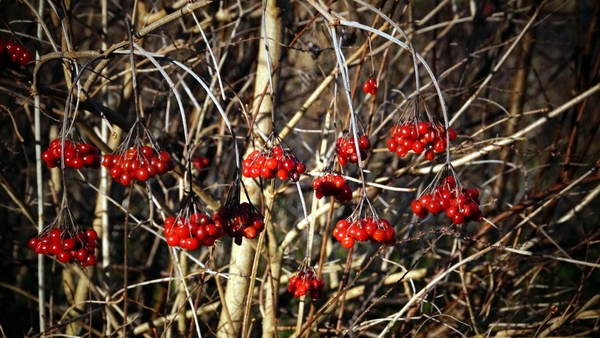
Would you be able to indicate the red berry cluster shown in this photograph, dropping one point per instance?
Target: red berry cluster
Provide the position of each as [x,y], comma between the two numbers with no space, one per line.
[77,155]
[239,220]
[137,163]
[346,150]
[13,54]
[364,229]
[306,282]
[461,205]
[277,162]
[370,86]
[192,232]
[332,184]
[201,162]
[419,137]
[56,242]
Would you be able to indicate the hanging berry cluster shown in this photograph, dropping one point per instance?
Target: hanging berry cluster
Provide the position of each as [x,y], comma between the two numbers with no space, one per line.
[276,162]
[346,149]
[78,154]
[419,137]
[332,184]
[418,131]
[377,230]
[135,161]
[201,162]
[370,86]
[191,231]
[192,228]
[68,242]
[13,54]
[239,219]
[364,226]
[306,281]
[461,205]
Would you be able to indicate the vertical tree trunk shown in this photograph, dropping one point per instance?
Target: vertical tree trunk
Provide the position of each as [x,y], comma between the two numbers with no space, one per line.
[242,256]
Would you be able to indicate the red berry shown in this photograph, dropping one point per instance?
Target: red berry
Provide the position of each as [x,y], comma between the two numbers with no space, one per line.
[266,173]
[364,143]
[42,248]
[379,235]
[208,241]
[451,134]
[77,163]
[402,151]
[451,212]
[473,193]
[424,200]
[173,240]
[190,243]
[450,182]
[10,47]
[126,165]
[360,234]
[283,174]
[370,86]
[125,179]
[422,214]
[147,151]
[423,128]
[201,233]
[300,168]
[88,160]
[289,165]
[161,167]
[91,235]
[54,235]
[445,203]
[26,56]
[391,144]
[70,153]
[366,87]
[370,228]
[69,244]
[418,147]
[212,229]
[339,181]
[466,210]
[429,155]
[247,172]
[142,174]
[317,183]
[271,163]
[439,146]
[434,207]
[250,232]
[458,219]
[82,255]
[164,156]
[416,207]
[347,242]
[90,260]
[34,241]
[169,222]
[64,256]
[342,224]
[277,152]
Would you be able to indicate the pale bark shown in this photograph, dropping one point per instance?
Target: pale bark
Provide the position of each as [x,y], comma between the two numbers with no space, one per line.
[240,267]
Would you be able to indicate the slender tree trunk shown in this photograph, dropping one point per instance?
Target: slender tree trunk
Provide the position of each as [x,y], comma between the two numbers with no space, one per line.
[242,256]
